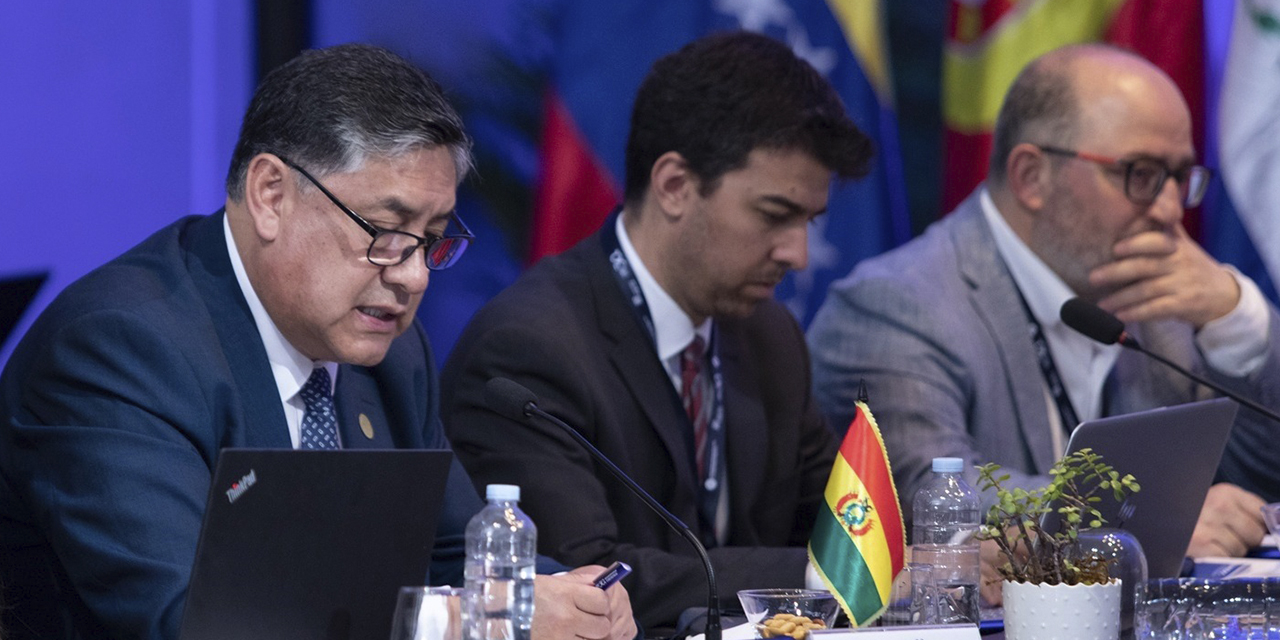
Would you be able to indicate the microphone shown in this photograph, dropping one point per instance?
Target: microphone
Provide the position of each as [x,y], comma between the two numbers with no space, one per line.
[1094,322]
[513,400]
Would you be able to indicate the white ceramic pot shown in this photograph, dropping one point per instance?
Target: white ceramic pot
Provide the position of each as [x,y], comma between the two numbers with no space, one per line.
[1061,612]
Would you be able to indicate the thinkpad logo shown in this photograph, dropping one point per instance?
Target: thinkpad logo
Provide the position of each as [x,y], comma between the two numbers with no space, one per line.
[239,488]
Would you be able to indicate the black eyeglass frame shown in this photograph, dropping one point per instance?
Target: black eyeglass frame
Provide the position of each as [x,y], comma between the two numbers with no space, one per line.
[1184,177]
[375,232]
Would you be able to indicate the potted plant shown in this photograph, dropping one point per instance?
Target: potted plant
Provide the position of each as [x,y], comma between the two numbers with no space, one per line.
[1051,589]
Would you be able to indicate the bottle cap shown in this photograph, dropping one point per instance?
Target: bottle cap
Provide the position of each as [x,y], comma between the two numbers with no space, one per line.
[946,465]
[503,492]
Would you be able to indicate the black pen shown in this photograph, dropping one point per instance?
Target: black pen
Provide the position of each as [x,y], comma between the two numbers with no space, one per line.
[614,573]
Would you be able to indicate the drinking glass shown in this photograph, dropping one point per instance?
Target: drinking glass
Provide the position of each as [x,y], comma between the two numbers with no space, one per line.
[433,613]
[912,600]
[1195,609]
[1125,560]
[1271,515]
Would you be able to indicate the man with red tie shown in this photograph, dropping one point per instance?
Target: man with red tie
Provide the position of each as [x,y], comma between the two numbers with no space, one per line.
[659,339]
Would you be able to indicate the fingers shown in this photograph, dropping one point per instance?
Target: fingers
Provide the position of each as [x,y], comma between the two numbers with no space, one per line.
[991,588]
[624,623]
[570,606]
[1160,275]
[567,606]
[1230,523]
[1150,243]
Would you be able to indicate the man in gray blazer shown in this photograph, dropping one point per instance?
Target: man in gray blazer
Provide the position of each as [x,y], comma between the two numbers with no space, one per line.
[1092,166]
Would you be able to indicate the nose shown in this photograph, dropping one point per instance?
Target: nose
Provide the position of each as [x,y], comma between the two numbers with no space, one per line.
[411,275]
[792,248]
[1167,207]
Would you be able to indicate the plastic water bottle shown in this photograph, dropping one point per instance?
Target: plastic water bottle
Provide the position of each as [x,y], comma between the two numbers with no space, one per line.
[945,519]
[502,548]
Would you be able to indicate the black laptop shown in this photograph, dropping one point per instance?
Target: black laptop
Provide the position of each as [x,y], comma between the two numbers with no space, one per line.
[1173,453]
[312,545]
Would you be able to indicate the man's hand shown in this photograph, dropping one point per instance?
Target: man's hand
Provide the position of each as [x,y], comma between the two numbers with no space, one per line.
[1159,275]
[1230,523]
[992,583]
[569,606]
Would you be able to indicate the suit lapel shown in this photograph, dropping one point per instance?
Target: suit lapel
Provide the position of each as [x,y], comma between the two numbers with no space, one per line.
[746,427]
[210,267]
[995,300]
[636,360]
[362,418]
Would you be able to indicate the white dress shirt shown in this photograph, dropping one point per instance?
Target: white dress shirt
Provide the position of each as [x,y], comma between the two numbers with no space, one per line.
[289,367]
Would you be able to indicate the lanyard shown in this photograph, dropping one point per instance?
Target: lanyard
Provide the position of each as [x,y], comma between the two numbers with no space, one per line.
[713,462]
[1048,369]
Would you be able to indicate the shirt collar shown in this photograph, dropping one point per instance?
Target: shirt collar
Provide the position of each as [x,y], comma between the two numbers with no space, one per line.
[673,328]
[1043,290]
[1082,363]
[289,367]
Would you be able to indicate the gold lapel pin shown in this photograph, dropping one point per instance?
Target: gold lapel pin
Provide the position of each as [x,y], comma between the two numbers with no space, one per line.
[366,427]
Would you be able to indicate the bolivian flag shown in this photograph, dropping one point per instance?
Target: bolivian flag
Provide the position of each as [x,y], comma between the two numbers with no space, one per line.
[858,541]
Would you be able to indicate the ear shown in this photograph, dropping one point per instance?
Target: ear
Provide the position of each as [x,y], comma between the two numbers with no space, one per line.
[672,184]
[1027,175]
[268,193]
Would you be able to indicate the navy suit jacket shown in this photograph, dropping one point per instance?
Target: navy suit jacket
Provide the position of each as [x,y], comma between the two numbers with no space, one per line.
[112,412]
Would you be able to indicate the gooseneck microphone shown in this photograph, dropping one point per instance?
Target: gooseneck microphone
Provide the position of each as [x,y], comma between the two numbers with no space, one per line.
[1094,322]
[513,400]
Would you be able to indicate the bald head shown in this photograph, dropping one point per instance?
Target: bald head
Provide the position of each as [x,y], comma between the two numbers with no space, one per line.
[1072,128]
[1053,99]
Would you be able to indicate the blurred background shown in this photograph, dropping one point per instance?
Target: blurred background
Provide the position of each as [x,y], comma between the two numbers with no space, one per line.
[118,118]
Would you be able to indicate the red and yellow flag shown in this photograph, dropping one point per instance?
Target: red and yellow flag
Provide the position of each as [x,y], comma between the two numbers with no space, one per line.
[989,41]
[859,540]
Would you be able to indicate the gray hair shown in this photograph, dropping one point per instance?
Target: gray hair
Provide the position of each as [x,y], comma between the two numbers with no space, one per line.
[1040,107]
[331,110]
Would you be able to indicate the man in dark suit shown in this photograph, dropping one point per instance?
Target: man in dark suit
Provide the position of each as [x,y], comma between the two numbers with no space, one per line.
[658,338]
[285,321]
[1092,166]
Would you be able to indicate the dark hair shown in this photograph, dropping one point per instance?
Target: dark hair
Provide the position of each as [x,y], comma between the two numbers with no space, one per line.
[331,109]
[1040,107]
[722,96]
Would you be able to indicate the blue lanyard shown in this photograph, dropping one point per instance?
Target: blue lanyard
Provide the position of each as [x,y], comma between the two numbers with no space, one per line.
[713,462]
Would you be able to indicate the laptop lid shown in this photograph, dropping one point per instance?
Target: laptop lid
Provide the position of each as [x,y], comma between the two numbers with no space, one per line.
[312,544]
[1173,453]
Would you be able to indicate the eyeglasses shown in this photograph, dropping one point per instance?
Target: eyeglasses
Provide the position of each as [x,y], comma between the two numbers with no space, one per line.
[390,247]
[1145,177]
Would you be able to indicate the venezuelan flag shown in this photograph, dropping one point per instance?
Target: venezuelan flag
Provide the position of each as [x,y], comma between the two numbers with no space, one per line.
[600,53]
[858,543]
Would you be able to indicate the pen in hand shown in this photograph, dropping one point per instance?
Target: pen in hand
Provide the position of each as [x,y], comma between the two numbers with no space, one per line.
[615,572]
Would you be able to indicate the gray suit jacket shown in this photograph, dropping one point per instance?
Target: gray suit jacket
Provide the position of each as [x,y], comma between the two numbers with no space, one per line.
[936,330]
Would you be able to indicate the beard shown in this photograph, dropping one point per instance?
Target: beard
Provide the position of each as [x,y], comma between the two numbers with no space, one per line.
[1071,239]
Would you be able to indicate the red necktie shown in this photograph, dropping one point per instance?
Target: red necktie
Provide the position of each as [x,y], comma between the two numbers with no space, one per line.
[692,393]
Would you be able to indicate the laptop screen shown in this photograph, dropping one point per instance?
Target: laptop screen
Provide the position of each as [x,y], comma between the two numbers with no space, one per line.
[1173,453]
[312,544]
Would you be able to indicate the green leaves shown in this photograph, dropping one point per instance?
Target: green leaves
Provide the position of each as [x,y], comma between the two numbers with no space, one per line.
[1013,522]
